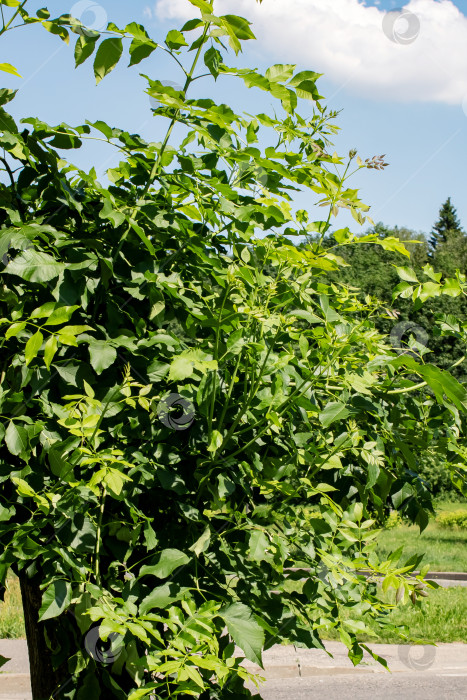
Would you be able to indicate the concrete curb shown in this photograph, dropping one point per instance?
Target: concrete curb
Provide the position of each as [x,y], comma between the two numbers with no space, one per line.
[284,664]
[293,662]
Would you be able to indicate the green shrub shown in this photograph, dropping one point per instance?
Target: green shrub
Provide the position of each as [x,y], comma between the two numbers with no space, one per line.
[457,518]
[393,520]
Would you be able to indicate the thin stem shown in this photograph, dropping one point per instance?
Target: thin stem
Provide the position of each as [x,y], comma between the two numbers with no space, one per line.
[98,536]
[174,57]
[229,392]
[155,167]
[13,186]
[414,387]
[216,357]
[101,418]
[12,18]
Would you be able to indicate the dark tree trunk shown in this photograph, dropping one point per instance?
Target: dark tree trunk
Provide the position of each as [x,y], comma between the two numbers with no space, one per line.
[45,681]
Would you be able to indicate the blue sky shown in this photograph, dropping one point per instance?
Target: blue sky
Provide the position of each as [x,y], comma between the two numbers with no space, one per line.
[404,95]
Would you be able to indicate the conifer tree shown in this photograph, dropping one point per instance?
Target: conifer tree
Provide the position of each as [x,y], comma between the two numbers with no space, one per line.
[447,223]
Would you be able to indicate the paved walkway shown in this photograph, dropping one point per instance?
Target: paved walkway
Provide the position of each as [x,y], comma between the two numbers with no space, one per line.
[425,672]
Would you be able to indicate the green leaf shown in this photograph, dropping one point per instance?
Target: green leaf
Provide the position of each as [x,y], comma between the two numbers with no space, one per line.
[142,46]
[50,349]
[8,68]
[373,474]
[55,600]
[427,290]
[216,441]
[102,355]
[34,266]
[59,466]
[444,384]
[213,59]
[306,315]
[107,57]
[24,489]
[203,5]
[16,439]
[240,26]
[7,95]
[114,480]
[169,560]
[181,368]
[60,315]
[226,486]
[202,543]
[110,213]
[55,28]
[244,630]
[332,462]
[303,76]
[89,391]
[162,596]
[140,50]
[406,274]
[15,329]
[237,29]
[33,346]
[175,39]
[394,244]
[139,231]
[258,544]
[334,410]
[84,48]
[280,72]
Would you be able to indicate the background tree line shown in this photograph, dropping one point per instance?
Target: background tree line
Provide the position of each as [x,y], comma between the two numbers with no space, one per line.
[372,269]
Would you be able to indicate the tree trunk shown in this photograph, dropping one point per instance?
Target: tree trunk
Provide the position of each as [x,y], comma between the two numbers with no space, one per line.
[45,681]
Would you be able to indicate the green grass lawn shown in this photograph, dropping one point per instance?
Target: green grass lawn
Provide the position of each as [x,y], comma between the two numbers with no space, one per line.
[442,618]
[445,549]
[11,612]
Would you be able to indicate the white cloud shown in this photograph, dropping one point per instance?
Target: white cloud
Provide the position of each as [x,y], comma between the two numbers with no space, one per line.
[345,40]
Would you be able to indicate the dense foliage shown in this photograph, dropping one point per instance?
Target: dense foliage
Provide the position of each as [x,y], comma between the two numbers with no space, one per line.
[167,531]
[428,321]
